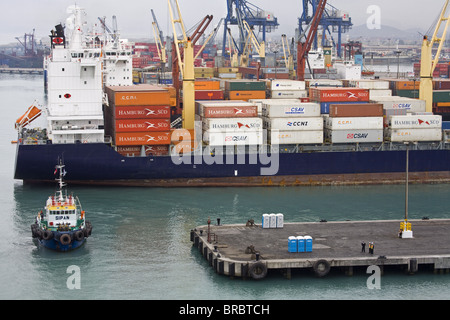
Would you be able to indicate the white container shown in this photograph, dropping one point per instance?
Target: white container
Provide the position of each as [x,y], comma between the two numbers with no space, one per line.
[294,124]
[354,123]
[281,110]
[325,83]
[370,84]
[354,136]
[280,220]
[377,93]
[411,135]
[233,138]
[273,220]
[415,122]
[265,221]
[289,94]
[395,102]
[232,124]
[287,85]
[295,137]
[259,102]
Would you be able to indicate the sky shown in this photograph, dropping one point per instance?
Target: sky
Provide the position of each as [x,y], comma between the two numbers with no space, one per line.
[135,21]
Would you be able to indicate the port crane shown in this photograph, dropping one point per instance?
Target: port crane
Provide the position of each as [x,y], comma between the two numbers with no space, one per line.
[333,20]
[427,63]
[159,36]
[304,47]
[239,11]
[184,63]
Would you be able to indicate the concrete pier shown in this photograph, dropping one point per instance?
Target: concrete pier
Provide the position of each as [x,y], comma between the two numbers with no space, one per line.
[252,251]
[22,70]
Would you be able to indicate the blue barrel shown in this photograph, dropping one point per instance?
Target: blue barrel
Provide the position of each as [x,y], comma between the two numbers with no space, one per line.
[301,244]
[292,244]
[308,244]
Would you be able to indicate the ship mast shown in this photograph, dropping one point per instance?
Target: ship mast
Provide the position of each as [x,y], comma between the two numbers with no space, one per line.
[61,183]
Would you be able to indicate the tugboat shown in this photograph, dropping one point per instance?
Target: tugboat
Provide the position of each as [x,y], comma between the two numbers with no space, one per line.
[62,226]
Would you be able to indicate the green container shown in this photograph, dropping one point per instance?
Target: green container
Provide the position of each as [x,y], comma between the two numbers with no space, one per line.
[245,85]
[441,96]
[408,93]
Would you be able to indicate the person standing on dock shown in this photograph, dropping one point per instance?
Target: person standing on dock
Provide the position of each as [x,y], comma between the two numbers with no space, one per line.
[363,246]
[371,247]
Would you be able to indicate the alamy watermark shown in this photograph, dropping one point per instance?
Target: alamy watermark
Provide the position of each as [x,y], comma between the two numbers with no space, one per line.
[74,280]
[373,22]
[374,280]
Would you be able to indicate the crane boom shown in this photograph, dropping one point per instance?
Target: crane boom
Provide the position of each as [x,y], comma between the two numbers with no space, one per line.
[304,48]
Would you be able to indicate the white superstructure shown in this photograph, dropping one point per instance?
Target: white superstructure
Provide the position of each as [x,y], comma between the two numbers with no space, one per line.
[78,68]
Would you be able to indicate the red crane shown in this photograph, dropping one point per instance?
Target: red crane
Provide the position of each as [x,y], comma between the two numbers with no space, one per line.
[304,47]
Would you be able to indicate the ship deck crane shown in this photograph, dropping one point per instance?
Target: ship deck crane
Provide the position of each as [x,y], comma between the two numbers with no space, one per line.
[184,63]
[427,63]
[304,47]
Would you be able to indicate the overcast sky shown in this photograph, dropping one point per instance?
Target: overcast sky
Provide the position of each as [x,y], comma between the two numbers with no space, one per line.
[134,16]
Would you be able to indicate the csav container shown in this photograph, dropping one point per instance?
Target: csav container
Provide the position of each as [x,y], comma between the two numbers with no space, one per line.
[301,244]
[292,244]
[274,109]
[394,102]
[354,136]
[294,124]
[308,244]
[233,138]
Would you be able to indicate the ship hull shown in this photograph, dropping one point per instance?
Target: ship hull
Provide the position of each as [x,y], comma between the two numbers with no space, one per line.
[99,164]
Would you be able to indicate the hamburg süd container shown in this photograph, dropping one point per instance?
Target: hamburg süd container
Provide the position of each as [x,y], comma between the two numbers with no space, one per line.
[356,110]
[142,138]
[294,124]
[288,109]
[142,125]
[338,94]
[142,112]
[354,136]
[415,121]
[229,111]
[232,124]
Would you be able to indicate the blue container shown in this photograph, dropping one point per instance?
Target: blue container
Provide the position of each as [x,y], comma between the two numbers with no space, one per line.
[301,244]
[308,244]
[292,244]
[445,125]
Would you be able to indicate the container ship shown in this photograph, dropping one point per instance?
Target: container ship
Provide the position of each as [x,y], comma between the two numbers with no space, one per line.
[109,131]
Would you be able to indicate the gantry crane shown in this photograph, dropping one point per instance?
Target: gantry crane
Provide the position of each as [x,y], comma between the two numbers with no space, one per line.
[184,63]
[427,63]
[159,36]
[287,53]
[332,21]
[239,11]
[304,47]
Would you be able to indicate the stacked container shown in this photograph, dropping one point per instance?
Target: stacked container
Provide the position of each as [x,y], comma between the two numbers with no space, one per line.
[138,117]
[395,102]
[208,90]
[327,96]
[353,123]
[292,122]
[377,88]
[230,123]
[414,127]
[288,89]
[244,89]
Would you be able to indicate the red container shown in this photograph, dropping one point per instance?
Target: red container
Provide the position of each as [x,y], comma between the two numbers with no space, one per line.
[142,112]
[339,94]
[230,112]
[142,138]
[142,125]
[356,110]
[161,150]
[208,95]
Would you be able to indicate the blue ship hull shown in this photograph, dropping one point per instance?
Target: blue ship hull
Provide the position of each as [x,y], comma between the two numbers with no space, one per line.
[100,164]
[57,246]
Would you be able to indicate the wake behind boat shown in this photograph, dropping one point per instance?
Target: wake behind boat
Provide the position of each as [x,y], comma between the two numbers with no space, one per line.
[62,225]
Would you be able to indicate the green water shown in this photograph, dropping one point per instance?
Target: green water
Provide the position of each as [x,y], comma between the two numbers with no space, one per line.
[140,247]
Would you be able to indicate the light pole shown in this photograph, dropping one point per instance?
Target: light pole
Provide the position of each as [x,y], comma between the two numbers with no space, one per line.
[405,227]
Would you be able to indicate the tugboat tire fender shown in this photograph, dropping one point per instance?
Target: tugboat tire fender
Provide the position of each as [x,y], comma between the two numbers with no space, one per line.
[65,239]
[321,267]
[79,235]
[47,235]
[258,270]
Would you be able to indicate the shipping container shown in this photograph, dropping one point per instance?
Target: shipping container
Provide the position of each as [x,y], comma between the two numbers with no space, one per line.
[325,106]
[207,85]
[185,147]
[415,121]
[354,123]
[338,94]
[233,124]
[354,136]
[142,138]
[142,112]
[209,95]
[441,96]
[274,109]
[287,85]
[289,94]
[138,95]
[177,135]
[370,84]
[278,137]
[229,112]
[245,95]
[245,85]
[324,83]
[259,102]
[356,110]
[413,135]
[395,102]
[137,151]
[374,93]
[142,125]
[233,138]
[404,84]
[294,124]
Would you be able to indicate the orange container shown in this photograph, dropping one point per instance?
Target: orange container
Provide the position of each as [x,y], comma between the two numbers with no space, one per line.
[207,85]
[184,147]
[142,112]
[149,150]
[142,125]
[246,95]
[145,95]
[142,138]
[208,95]
[405,84]
[178,135]
[326,94]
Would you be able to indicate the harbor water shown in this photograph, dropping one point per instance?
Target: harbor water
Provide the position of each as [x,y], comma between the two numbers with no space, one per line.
[140,246]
